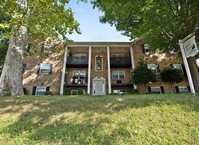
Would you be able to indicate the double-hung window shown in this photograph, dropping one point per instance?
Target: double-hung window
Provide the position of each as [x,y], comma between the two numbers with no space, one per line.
[154,68]
[44,68]
[178,66]
[118,74]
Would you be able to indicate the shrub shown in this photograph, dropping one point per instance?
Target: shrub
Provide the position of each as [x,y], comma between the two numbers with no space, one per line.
[67,91]
[48,93]
[172,75]
[80,92]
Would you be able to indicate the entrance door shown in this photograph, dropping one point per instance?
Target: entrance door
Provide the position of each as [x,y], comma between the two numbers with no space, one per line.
[99,86]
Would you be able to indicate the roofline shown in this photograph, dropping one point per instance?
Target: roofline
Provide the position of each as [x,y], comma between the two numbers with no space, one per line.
[99,44]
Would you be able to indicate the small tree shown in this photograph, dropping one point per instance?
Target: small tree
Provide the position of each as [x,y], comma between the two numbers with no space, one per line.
[143,75]
[172,76]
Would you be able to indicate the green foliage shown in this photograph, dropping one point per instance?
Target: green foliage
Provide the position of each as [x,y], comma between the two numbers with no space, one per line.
[106,120]
[143,75]
[161,23]
[48,93]
[80,92]
[51,18]
[172,75]
[67,91]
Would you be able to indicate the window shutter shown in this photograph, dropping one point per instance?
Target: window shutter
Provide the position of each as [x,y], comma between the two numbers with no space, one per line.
[34,90]
[143,49]
[162,89]
[38,68]
[177,89]
[24,67]
[51,69]
[171,65]
[158,69]
[149,89]
[47,88]
[28,47]
[189,89]
[184,70]
[42,48]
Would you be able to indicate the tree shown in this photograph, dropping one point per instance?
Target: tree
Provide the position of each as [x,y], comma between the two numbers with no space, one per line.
[172,76]
[160,23]
[143,75]
[33,19]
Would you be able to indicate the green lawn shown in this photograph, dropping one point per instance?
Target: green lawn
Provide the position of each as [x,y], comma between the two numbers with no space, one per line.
[118,120]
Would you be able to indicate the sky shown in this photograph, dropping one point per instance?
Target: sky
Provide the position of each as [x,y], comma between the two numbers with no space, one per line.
[91,28]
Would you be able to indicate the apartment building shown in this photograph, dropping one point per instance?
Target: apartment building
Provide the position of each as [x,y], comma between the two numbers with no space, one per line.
[100,68]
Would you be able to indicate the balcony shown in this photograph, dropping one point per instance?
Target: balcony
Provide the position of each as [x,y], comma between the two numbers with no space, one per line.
[121,82]
[120,62]
[77,62]
[77,81]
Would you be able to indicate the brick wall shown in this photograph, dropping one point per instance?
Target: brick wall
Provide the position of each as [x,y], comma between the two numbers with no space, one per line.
[31,78]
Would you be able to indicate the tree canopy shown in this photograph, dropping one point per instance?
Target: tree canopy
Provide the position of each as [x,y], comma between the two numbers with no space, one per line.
[160,23]
[42,18]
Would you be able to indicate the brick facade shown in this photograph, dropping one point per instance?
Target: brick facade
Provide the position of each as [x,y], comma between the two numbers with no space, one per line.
[78,61]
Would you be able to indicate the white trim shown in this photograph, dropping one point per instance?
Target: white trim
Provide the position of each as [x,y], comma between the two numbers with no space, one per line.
[132,63]
[89,71]
[63,72]
[109,70]
[187,67]
[101,63]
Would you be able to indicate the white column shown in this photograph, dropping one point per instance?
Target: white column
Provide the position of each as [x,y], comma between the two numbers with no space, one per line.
[109,70]
[187,68]
[132,62]
[63,72]
[89,71]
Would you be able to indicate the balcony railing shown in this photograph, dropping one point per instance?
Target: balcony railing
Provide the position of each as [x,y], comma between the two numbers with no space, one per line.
[126,82]
[74,61]
[120,62]
[77,82]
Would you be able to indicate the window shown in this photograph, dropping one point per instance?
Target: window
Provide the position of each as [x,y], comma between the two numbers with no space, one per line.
[156,90]
[154,68]
[44,68]
[146,49]
[182,89]
[39,91]
[120,92]
[79,77]
[98,63]
[177,66]
[118,74]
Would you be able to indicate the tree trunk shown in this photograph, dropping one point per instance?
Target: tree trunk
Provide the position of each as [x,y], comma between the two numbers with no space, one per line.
[194,72]
[11,77]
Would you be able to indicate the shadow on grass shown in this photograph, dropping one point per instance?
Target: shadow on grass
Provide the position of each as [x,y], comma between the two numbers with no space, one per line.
[79,119]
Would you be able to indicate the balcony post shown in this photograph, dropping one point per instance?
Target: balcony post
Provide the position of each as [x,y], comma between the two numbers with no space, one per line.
[63,71]
[132,62]
[89,71]
[109,70]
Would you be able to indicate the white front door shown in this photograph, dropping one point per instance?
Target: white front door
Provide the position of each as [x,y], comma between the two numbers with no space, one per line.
[99,86]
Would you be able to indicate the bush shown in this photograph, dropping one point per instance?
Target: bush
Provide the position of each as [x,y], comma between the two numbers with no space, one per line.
[48,93]
[172,75]
[80,92]
[67,91]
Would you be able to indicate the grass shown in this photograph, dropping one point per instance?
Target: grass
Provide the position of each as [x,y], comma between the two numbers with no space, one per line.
[106,120]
